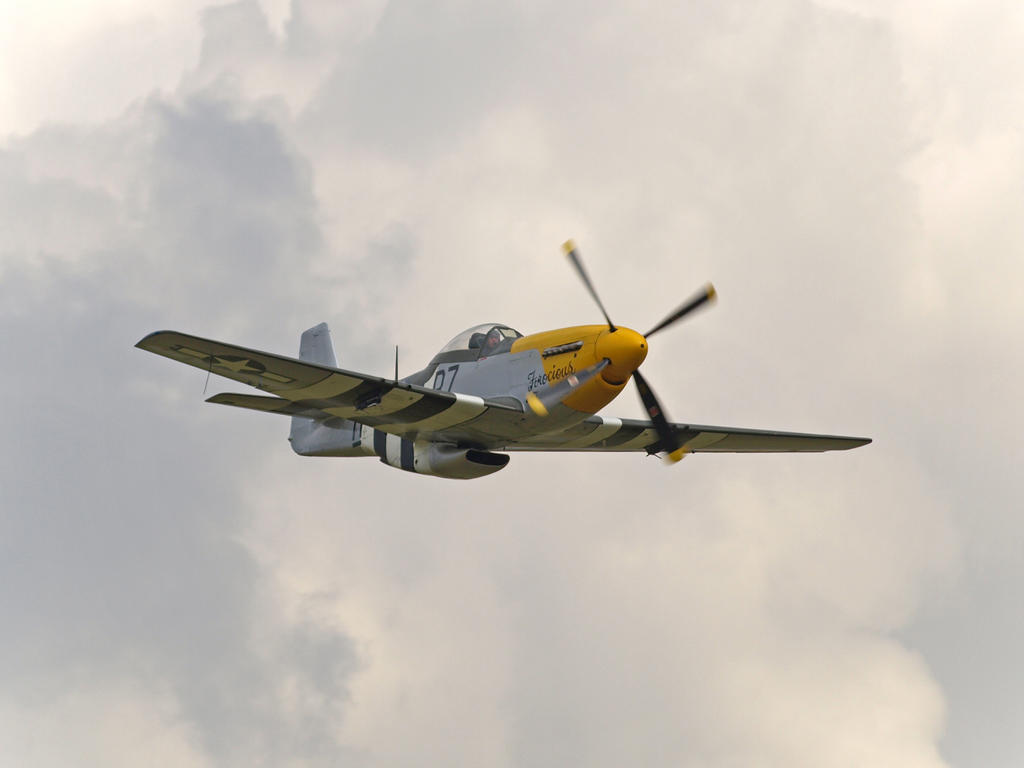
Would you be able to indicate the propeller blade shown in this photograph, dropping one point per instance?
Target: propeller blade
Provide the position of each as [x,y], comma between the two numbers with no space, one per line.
[570,250]
[706,294]
[667,441]
[552,395]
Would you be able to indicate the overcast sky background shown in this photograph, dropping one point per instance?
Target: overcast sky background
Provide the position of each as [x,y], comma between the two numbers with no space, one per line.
[177,588]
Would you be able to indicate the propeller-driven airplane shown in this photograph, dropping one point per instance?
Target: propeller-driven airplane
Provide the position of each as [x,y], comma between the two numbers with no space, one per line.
[490,390]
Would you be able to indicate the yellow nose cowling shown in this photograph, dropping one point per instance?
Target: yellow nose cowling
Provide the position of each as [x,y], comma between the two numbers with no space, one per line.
[625,348]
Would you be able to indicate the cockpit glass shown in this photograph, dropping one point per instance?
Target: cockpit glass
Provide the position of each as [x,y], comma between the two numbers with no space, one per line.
[475,338]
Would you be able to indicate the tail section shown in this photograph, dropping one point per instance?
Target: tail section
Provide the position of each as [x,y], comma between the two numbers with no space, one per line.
[315,347]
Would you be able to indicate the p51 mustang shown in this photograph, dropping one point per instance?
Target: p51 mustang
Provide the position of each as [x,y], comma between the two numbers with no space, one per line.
[489,390]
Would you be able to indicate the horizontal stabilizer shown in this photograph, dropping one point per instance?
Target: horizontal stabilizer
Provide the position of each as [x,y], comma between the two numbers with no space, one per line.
[268,405]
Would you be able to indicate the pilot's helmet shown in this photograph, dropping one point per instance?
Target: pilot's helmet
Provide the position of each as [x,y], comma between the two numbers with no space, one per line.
[493,339]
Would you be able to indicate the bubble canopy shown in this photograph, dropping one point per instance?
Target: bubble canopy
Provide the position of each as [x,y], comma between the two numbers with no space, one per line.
[474,339]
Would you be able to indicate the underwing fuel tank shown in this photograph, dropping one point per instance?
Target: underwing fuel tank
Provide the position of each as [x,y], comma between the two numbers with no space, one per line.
[451,461]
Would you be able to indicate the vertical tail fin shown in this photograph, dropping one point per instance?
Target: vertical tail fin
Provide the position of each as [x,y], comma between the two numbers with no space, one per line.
[315,346]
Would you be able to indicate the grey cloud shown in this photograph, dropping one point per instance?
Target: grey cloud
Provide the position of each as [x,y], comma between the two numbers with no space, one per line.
[424,73]
[234,35]
[234,202]
[120,529]
[52,218]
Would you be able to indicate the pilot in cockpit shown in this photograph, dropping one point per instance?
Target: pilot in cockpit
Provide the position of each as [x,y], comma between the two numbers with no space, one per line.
[491,343]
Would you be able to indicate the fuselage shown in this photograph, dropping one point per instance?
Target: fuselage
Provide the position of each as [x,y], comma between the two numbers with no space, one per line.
[507,373]
[529,363]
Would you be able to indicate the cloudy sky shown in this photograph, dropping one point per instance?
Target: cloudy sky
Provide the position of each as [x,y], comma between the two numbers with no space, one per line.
[177,588]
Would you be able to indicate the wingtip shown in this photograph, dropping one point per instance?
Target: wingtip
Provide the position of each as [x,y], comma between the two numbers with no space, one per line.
[140,343]
[854,442]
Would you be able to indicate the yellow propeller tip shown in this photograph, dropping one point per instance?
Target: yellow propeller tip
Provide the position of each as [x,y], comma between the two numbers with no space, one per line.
[568,246]
[712,293]
[676,455]
[536,405]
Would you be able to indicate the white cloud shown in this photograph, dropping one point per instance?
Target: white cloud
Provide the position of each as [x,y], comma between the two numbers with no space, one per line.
[114,724]
[69,61]
[846,173]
